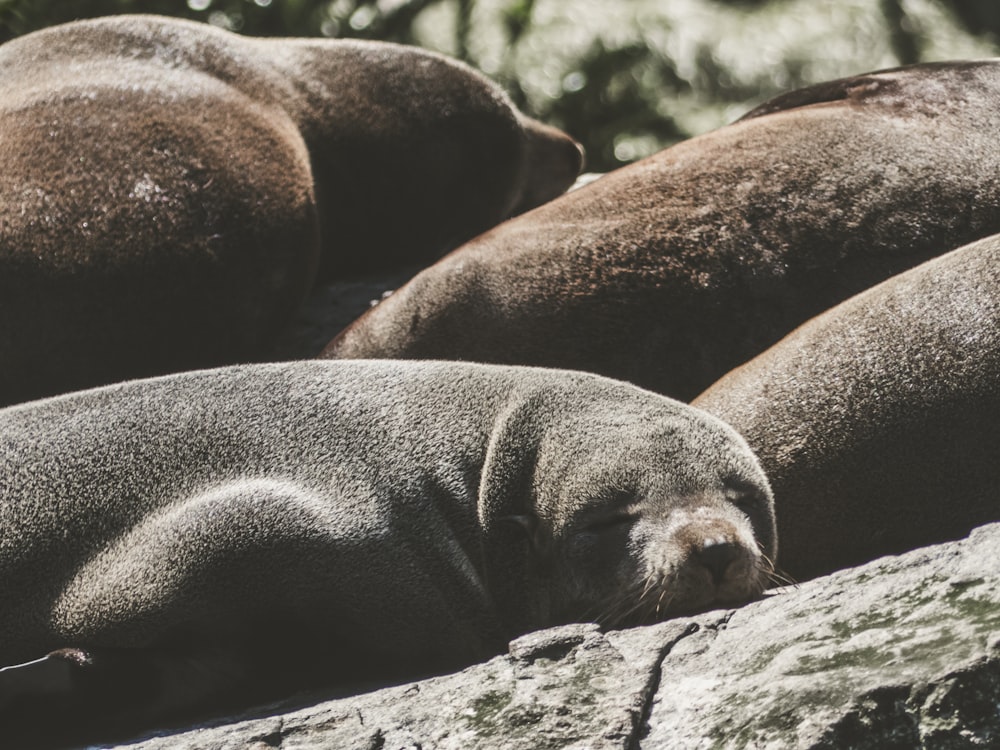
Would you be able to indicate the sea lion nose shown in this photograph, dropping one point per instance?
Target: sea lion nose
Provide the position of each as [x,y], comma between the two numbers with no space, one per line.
[716,557]
[575,156]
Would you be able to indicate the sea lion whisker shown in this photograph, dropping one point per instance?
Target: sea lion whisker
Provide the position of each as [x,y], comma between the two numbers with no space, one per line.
[781,578]
[603,610]
[772,573]
[644,603]
[663,602]
[616,610]
[653,581]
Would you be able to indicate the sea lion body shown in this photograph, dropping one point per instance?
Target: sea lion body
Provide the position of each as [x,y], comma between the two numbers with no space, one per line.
[878,422]
[288,525]
[672,271]
[170,189]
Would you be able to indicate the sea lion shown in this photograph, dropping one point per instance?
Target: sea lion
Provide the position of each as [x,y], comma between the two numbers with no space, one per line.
[221,536]
[169,189]
[670,272]
[878,421]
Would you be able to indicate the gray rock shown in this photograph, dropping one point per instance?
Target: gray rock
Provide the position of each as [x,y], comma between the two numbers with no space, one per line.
[903,652]
[568,687]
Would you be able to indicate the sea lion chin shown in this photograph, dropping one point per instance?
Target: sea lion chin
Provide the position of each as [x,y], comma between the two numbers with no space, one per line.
[218,538]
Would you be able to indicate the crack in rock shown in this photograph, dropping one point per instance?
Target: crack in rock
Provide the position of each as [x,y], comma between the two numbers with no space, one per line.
[640,728]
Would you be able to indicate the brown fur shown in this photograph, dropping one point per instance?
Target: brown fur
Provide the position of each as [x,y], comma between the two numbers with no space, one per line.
[169,189]
[671,271]
[878,422]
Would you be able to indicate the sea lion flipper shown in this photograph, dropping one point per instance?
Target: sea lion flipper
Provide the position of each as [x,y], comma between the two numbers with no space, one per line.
[48,676]
[898,87]
[108,692]
[48,699]
[843,89]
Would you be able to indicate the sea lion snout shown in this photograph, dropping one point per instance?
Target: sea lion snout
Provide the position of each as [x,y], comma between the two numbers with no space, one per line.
[670,569]
[649,556]
[709,556]
[553,162]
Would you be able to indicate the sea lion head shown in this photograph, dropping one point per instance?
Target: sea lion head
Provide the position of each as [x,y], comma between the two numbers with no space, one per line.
[641,508]
[673,519]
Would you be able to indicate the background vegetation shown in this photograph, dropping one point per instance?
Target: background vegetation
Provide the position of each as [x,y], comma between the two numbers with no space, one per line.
[626,77]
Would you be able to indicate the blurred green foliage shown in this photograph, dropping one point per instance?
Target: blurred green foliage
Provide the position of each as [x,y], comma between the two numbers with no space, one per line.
[625,78]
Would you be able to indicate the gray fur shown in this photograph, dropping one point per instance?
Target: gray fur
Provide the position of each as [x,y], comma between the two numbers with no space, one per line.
[366,512]
[878,422]
[672,271]
[170,190]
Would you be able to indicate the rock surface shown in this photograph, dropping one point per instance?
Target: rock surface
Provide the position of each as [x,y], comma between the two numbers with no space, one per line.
[331,307]
[903,652]
[568,687]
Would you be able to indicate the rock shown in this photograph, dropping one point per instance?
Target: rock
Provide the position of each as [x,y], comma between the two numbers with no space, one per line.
[332,306]
[902,652]
[568,687]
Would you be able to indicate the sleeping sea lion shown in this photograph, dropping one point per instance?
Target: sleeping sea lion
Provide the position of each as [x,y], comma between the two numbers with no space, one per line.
[169,189]
[878,422]
[672,271]
[216,538]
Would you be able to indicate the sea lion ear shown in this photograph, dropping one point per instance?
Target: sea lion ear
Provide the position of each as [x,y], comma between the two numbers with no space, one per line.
[506,512]
[505,485]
